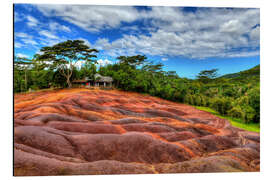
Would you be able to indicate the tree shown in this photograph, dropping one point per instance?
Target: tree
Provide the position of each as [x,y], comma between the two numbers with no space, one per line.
[222,105]
[88,70]
[153,68]
[254,102]
[237,112]
[23,64]
[132,61]
[65,55]
[206,75]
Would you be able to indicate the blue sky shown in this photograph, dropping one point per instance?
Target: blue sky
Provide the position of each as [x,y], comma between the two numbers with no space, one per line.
[185,40]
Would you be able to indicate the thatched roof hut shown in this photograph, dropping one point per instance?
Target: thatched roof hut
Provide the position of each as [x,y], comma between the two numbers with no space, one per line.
[97,81]
[99,78]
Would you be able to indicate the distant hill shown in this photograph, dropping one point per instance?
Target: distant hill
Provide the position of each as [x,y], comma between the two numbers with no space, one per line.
[255,71]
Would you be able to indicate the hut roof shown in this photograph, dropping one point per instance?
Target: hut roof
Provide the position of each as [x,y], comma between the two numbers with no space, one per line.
[100,78]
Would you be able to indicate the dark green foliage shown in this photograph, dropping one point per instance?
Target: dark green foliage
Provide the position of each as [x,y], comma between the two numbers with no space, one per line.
[235,95]
[22,68]
[250,113]
[237,112]
[131,61]
[206,75]
[221,105]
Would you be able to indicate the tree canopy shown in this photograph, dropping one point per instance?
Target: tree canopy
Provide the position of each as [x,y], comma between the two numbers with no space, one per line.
[206,75]
[64,56]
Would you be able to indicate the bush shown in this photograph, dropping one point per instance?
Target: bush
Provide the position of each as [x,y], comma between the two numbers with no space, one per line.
[237,112]
[222,105]
[229,92]
[203,101]
[250,113]
[189,99]
[197,100]
[34,87]
[254,102]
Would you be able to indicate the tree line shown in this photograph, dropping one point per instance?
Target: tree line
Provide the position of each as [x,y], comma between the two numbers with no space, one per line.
[237,95]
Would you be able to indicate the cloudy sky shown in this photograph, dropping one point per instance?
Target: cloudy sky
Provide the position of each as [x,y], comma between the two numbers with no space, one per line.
[186,40]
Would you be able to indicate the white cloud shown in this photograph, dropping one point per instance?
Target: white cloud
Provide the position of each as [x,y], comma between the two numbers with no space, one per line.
[39,52]
[255,33]
[17,17]
[56,26]
[191,35]
[32,21]
[102,44]
[164,59]
[18,45]
[50,42]
[25,39]
[29,41]
[104,62]
[79,64]
[171,31]
[130,28]
[22,35]
[86,42]
[244,54]
[20,55]
[232,26]
[91,18]
[48,34]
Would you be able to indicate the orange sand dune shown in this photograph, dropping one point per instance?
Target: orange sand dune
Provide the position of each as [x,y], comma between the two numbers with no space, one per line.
[81,131]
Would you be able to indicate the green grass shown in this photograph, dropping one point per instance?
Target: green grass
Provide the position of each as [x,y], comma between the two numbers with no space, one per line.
[234,121]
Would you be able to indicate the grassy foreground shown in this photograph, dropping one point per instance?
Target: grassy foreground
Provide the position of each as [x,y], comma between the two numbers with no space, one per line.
[234,121]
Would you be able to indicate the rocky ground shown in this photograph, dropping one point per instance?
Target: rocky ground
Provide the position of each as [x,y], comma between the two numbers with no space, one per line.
[80,131]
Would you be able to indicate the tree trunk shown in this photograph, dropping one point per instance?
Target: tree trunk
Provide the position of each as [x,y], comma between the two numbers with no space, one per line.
[25,80]
[69,83]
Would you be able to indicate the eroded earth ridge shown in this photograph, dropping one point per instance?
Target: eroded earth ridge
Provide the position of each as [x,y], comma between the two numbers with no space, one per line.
[81,131]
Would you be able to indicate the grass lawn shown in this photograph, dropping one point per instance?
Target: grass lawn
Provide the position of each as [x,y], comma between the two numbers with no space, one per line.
[234,121]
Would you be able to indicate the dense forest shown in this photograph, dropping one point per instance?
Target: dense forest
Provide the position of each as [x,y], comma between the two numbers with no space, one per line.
[235,95]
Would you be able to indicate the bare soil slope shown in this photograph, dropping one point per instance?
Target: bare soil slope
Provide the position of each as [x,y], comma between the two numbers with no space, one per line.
[80,131]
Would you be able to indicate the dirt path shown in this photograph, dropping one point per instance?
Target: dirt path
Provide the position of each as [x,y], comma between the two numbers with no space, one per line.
[80,131]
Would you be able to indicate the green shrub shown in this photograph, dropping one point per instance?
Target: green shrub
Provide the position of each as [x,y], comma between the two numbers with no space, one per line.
[203,101]
[222,105]
[254,102]
[189,99]
[236,112]
[34,87]
[197,100]
[250,113]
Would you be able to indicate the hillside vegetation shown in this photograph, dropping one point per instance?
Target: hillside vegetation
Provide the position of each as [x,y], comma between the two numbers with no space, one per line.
[235,95]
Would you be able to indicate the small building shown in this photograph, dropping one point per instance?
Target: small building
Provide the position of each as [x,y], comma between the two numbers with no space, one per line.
[103,80]
[80,83]
[98,81]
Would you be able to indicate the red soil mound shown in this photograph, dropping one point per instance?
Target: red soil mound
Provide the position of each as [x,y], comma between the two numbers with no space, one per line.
[80,131]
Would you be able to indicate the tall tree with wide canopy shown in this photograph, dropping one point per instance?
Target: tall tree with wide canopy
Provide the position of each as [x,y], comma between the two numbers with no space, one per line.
[64,56]
[132,61]
[206,75]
